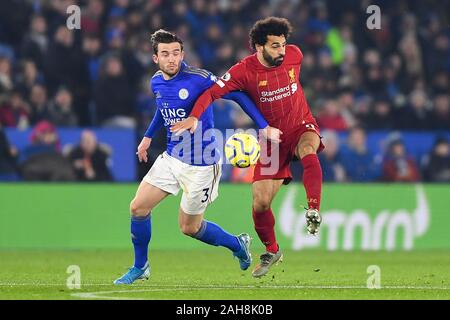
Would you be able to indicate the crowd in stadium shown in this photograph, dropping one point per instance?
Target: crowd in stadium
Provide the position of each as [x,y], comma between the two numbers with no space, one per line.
[395,78]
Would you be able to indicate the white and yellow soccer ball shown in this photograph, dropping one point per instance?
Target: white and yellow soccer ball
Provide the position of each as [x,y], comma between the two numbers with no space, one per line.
[242,150]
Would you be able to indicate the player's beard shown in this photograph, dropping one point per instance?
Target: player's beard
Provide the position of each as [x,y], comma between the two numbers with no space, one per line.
[271,61]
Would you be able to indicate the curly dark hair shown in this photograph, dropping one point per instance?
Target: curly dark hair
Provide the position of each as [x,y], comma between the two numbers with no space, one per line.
[163,36]
[273,26]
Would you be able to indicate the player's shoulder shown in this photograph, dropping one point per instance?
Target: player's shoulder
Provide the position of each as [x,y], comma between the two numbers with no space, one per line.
[247,61]
[157,74]
[157,77]
[294,51]
[196,72]
[156,80]
[242,66]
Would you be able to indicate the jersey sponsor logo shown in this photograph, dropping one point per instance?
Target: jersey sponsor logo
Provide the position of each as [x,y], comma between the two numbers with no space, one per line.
[173,113]
[278,94]
[274,95]
[262,83]
[213,78]
[226,76]
[183,94]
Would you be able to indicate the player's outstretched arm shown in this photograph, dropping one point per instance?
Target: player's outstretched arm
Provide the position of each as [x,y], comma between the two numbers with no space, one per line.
[156,124]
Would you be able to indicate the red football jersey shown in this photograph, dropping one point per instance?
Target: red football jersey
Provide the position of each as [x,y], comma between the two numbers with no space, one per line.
[275,90]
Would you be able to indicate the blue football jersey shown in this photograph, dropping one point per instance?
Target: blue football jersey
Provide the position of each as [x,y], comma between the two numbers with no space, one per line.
[174,99]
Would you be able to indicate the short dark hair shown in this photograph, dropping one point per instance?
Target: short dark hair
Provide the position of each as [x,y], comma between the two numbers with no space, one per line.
[272,26]
[163,36]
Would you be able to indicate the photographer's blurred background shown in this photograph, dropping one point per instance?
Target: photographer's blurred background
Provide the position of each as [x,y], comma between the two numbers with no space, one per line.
[74,104]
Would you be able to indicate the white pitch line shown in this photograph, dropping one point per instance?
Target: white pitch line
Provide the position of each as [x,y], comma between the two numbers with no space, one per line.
[100,294]
[212,286]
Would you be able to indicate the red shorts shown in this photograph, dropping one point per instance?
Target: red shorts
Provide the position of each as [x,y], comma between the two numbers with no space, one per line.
[267,168]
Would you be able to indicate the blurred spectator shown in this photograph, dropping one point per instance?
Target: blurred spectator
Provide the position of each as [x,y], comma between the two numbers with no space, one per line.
[39,103]
[437,167]
[440,82]
[332,168]
[6,80]
[416,116]
[381,116]
[331,117]
[398,166]
[42,160]
[60,111]
[410,49]
[91,17]
[113,95]
[438,56]
[8,154]
[28,77]
[359,162]
[362,108]
[440,118]
[91,55]
[15,112]
[90,159]
[35,43]
[63,62]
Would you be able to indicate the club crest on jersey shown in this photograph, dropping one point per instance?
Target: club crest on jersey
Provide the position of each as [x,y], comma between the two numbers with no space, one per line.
[292,75]
[183,94]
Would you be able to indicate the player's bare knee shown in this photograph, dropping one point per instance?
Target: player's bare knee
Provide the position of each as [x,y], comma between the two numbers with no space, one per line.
[189,229]
[137,210]
[261,203]
[306,148]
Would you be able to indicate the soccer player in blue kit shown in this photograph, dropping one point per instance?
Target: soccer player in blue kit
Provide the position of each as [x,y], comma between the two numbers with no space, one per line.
[188,164]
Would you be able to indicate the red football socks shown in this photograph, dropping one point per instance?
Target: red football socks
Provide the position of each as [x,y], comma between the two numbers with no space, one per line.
[264,226]
[312,180]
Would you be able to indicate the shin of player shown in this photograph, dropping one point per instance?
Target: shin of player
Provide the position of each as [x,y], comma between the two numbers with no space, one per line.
[306,151]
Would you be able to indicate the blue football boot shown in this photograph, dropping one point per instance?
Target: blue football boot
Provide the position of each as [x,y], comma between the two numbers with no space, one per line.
[134,274]
[244,256]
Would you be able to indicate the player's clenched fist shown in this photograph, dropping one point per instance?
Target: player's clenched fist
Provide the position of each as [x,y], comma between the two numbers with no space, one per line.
[142,149]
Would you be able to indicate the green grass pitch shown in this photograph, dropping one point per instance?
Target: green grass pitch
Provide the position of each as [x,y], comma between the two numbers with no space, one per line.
[213,274]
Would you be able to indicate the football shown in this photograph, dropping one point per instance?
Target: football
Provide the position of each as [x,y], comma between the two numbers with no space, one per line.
[242,150]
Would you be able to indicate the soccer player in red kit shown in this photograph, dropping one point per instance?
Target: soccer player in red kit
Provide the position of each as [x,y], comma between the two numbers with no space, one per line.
[271,78]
